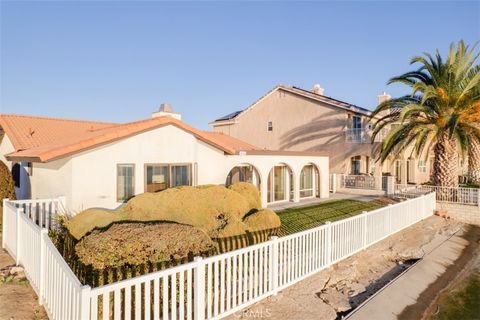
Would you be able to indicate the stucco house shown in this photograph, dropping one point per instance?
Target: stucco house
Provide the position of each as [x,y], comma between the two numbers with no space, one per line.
[98,164]
[290,118]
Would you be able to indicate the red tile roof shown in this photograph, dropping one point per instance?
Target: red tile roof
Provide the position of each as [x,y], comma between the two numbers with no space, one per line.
[41,139]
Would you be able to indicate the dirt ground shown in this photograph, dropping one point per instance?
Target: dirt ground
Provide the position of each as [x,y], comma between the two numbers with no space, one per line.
[332,292]
[17,298]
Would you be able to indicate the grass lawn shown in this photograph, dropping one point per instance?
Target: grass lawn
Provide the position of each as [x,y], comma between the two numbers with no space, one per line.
[303,218]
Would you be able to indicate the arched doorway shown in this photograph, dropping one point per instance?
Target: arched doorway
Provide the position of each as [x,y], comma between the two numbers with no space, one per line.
[309,181]
[243,173]
[280,184]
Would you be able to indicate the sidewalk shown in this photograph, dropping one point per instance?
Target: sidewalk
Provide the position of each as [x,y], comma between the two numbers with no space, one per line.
[17,298]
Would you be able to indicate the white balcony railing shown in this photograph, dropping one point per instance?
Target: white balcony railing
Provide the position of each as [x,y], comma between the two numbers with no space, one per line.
[363,135]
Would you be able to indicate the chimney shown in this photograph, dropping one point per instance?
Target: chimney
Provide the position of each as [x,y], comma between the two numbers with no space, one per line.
[166,110]
[383,97]
[317,89]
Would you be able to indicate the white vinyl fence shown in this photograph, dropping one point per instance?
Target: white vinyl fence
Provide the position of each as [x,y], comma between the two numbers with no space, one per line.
[463,196]
[209,288]
[25,237]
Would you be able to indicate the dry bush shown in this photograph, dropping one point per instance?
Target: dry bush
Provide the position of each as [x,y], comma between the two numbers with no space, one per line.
[216,210]
[7,186]
[138,243]
[264,219]
[90,219]
[249,192]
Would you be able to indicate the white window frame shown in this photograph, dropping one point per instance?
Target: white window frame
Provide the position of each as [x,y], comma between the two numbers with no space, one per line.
[270,126]
[422,166]
[133,181]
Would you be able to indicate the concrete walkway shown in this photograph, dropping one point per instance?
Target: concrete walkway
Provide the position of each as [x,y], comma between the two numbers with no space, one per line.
[333,196]
[405,291]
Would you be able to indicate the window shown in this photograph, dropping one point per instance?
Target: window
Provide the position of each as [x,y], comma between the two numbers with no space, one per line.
[356,122]
[269,126]
[306,182]
[180,175]
[398,171]
[422,166]
[125,181]
[277,184]
[159,177]
[30,168]
[356,164]
[16,174]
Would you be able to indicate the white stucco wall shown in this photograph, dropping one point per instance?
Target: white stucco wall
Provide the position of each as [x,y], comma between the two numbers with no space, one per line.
[52,179]
[88,179]
[94,171]
[5,148]
[24,191]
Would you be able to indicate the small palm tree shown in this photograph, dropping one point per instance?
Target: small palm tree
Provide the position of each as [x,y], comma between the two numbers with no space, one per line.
[438,113]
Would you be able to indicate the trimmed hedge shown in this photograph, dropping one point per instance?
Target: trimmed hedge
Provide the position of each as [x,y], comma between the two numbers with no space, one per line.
[216,210]
[149,243]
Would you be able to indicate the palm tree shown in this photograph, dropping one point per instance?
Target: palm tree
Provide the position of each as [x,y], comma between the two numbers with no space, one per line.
[438,113]
[474,148]
[474,162]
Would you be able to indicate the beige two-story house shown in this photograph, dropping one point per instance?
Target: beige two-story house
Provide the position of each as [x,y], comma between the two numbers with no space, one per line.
[290,118]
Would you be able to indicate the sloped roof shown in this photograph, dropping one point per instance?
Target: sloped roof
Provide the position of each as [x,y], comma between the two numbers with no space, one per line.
[44,139]
[301,92]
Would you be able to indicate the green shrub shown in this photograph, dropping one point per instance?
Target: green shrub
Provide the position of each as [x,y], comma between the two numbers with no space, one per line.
[137,243]
[249,192]
[7,185]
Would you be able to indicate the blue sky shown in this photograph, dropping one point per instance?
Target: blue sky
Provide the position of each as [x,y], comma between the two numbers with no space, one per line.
[117,61]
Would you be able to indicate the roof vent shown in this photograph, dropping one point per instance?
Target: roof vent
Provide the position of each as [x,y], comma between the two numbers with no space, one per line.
[166,110]
[317,89]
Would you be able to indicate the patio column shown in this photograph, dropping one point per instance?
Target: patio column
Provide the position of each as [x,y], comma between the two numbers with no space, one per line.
[264,188]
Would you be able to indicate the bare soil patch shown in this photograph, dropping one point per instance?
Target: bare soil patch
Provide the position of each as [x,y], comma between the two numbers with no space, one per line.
[17,298]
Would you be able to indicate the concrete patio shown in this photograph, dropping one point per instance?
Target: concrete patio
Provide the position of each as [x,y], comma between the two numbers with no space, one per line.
[344,195]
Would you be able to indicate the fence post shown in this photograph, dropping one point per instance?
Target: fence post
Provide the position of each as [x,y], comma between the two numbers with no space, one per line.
[41,284]
[329,243]
[17,238]
[390,189]
[364,214]
[274,265]
[85,302]
[199,289]
[4,222]
[478,198]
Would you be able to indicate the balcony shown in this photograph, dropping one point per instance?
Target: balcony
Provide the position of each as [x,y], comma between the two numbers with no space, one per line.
[363,135]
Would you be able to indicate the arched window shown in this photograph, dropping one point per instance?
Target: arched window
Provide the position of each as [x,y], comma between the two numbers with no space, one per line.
[280,184]
[307,182]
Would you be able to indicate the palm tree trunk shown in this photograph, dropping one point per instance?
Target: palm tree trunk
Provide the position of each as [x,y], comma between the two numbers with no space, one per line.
[445,166]
[474,162]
